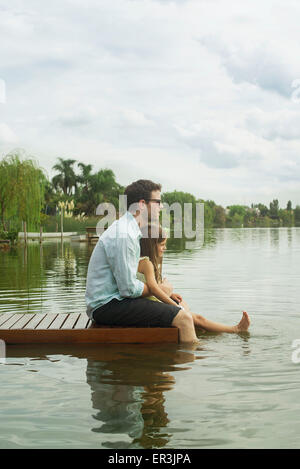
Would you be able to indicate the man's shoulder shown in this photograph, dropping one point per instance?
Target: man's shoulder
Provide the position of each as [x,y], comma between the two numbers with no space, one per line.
[119,230]
[124,227]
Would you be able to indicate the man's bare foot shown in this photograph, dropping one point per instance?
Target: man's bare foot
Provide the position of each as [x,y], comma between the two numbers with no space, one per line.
[244,323]
[190,342]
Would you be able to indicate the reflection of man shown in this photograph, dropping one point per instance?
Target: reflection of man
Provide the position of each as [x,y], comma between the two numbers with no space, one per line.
[126,407]
[118,404]
[128,392]
[114,296]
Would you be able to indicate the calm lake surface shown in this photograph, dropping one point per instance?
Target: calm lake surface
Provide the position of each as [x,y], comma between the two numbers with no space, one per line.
[232,391]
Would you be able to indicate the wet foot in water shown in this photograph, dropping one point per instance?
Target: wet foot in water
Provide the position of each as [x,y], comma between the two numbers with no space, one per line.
[244,323]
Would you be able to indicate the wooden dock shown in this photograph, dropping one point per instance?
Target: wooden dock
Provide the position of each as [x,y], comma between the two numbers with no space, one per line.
[76,328]
[91,234]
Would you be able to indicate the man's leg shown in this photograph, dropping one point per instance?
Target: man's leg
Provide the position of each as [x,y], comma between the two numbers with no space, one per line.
[184,321]
[140,312]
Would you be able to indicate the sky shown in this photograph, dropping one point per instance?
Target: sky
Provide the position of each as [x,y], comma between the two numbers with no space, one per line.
[202,96]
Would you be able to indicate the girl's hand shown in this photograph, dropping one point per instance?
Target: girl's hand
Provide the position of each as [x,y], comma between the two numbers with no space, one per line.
[176,297]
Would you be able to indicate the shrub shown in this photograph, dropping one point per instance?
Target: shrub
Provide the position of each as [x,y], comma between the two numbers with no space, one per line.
[11,235]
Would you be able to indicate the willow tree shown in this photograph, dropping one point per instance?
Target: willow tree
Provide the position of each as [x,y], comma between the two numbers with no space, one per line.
[7,190]
[21,191]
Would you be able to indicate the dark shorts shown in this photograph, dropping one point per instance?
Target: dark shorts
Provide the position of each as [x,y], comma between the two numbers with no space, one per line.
[136,312]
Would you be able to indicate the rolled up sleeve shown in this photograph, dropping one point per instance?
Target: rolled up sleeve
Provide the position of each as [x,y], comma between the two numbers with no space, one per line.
[123,261]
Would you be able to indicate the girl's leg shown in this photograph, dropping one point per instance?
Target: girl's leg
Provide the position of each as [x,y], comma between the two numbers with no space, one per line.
[210,326]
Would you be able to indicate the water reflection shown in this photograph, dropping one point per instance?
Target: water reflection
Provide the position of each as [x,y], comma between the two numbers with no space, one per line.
[141,396]
[42,278]
[128,386]
[178,245]
[128,392]
[290,232]
[37,277]
[275,237]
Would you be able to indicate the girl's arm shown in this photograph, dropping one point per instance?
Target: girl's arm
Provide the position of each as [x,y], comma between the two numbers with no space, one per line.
[166,287]
[146,267]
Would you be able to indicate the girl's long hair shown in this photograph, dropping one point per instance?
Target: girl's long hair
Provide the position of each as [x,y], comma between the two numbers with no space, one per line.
[152,235]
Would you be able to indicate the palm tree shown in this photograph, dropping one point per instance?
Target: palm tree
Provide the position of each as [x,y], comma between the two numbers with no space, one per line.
[105,188]
[66,179]
[86,175]
[96,188]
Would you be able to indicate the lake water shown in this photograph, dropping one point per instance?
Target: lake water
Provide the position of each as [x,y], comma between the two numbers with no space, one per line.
[231,391]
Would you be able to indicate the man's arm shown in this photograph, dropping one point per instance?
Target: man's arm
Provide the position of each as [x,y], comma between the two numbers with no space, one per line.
[146,291]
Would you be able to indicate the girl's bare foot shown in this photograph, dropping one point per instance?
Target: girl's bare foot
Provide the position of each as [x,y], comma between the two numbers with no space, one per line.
[244,323]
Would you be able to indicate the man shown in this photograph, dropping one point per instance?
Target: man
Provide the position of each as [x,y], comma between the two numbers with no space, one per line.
[114,295]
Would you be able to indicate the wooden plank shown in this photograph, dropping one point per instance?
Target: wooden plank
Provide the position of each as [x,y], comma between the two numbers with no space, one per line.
[14,318]
[22,322]
[58,321]
[5,317]
[34,321]
[70,321]
[82,321]
[47,321]
[115,335]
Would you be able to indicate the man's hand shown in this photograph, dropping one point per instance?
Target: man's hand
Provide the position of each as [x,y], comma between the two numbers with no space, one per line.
[176,297]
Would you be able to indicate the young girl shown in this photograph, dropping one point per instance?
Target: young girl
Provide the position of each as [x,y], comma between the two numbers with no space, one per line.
[153,245]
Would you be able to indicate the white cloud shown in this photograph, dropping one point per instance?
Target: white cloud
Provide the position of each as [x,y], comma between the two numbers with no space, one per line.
[196,94]
[258,65]
[6,134]
[78,117]
[282,124]
[135,118]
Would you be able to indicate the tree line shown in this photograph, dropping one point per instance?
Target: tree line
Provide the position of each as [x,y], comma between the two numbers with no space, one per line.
[238,216]
[28,195]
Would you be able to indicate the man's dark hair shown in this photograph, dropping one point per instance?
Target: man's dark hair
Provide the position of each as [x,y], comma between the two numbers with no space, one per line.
[140,189]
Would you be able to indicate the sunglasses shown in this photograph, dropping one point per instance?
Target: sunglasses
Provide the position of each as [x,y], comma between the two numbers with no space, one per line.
[158,201]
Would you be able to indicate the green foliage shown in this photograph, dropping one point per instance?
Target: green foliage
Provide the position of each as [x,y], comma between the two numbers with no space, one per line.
[219,217]
[66,178]
[234,221]
[274,209]
[26,194]
[11,235]
[91,189]
[179,197]
[51,223]
[263,210]
[286,217]
[250,218]
[208,216]
[22,185]
[237,210]
[297,215]
[96,189]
